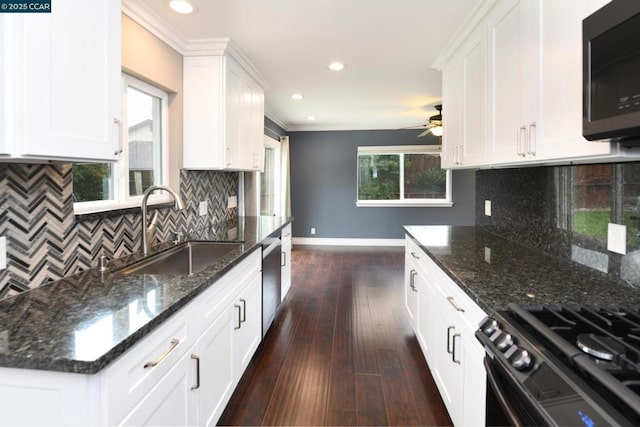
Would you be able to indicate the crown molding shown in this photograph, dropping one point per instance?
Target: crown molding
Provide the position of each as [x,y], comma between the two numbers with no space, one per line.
[152,22]
[472,20]
[273,116]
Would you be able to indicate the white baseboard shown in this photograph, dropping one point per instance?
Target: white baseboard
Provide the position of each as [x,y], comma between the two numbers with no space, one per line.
[346,242]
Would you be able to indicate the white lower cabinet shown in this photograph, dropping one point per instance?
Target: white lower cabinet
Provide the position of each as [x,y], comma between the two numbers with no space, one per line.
[444,319]
[214,373]
[183,373]
[286,262]
[170,402]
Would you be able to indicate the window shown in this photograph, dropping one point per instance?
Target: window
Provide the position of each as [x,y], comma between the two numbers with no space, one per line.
[402,176]
[269,180]
[99,187]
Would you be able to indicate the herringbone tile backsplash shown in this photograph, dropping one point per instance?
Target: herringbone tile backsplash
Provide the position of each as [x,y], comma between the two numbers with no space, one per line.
[46,241]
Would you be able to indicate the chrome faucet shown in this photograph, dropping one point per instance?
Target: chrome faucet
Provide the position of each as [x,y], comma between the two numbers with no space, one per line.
[177,204]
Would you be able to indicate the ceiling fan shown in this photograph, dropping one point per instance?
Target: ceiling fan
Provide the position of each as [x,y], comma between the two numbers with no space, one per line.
[435,124]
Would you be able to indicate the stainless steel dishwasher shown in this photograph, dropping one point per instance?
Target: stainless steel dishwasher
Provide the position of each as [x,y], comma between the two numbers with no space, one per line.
[271,278]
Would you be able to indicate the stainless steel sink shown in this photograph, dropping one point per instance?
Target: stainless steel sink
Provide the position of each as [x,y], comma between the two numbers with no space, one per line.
[188,258]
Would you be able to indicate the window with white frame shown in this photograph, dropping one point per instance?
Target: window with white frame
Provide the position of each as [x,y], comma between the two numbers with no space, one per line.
[408,175]
[268,181]
[107,186]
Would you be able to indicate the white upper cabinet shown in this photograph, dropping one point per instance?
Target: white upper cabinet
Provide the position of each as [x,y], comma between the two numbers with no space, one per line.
[464,87]
[223,114]
[514,94]
[512,81]
[60,83]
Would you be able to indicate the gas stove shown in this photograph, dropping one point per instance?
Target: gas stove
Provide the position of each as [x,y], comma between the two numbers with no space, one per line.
[570,365]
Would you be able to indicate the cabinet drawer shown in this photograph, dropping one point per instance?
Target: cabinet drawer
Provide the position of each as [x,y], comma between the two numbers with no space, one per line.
[215,299]
[130,378]
[286,236]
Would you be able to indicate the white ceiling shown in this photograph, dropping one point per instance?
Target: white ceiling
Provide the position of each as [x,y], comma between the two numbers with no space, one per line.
[388,47]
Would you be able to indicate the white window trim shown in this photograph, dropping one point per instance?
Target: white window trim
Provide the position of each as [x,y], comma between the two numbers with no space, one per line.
[447,202]
[121,167]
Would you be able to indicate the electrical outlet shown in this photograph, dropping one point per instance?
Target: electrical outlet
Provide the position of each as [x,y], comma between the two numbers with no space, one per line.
[487,207]
[202,209]
[313,230]
[232,202]
[617,238]
[3,253]
[487,255]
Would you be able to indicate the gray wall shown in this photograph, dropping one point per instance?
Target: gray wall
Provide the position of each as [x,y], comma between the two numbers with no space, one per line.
[323,188]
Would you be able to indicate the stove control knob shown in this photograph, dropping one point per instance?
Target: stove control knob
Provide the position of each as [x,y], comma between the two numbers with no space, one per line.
[504,342]
[489,326]
[521,360]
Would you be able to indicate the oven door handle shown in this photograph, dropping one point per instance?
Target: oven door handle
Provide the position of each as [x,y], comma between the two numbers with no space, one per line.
[503,400]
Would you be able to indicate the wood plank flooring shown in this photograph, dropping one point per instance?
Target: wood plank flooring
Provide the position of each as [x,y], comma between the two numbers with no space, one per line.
[340,351]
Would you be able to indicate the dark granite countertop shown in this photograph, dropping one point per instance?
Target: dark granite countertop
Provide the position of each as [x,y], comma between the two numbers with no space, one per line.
[495,272]
[83,322]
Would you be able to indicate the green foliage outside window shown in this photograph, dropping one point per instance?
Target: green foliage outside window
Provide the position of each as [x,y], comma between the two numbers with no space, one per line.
[91,181]
[379,177]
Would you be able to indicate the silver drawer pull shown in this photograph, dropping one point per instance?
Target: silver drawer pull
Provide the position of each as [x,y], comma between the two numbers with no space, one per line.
[453,303]
[197,359]
[413,254]
[153,363]
[453,352]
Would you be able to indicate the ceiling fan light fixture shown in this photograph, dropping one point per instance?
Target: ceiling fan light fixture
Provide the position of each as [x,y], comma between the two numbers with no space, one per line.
[437,131]
[336,66]
[183,7]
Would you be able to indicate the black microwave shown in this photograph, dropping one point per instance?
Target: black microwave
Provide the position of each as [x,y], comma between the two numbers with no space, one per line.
[611,73]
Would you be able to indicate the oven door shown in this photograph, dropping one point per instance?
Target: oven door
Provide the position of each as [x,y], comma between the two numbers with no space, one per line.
[507,404]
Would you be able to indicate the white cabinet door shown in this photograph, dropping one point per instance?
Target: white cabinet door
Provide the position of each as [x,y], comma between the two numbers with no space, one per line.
[464,95]
[286,262]
[235,124]
[62,72]
[507,35]
[425,311]
[223,115]
[410,294]
[248,330]
[216,359]
[452,113]
[447,366]
[171,402]
[475,382]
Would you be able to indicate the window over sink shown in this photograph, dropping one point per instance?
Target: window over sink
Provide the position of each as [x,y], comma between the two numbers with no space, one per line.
[402,176]
[143,163]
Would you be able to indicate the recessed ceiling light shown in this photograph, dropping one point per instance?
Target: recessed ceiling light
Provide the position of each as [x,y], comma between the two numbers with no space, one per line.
[311,118]
[184,7]
[336,66]
[297,96]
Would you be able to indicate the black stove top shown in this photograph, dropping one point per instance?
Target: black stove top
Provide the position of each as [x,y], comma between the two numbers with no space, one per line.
[572,357]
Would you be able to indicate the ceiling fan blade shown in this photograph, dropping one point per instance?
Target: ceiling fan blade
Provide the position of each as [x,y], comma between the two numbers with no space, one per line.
[427,131]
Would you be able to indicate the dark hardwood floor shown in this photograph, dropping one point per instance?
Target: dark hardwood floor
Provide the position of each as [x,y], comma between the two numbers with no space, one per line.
[341,351]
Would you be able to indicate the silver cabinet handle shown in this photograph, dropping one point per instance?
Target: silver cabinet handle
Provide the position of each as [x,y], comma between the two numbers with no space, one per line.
[153,363]
[412,282]
[453,351]
[244,310]
[460,153]
[283,261]
[197,359]
[229,162]
[449,338]
[522,142]
[239,317]
[413,254]
[532,139]
[452,301]
[120,148]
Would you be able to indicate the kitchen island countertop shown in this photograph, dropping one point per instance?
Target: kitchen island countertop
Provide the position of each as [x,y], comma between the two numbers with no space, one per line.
[495,272]
[84,322]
